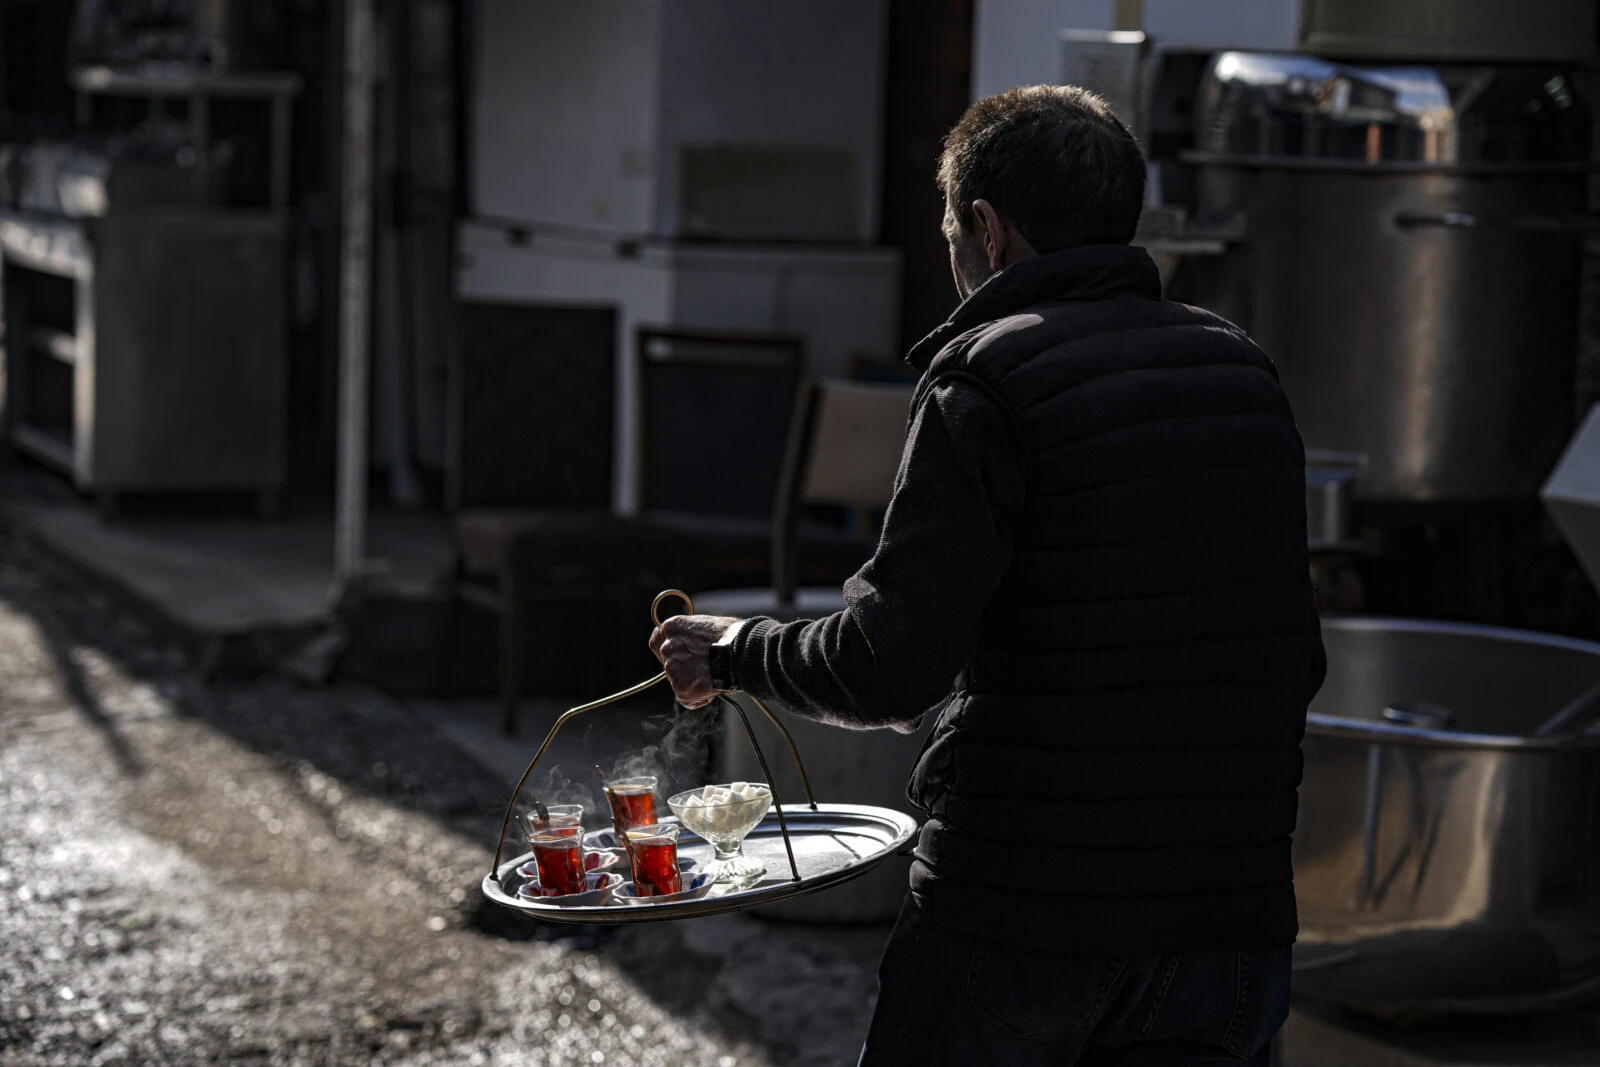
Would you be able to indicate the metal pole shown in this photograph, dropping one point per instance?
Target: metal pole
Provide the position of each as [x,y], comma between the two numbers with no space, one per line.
[355,311]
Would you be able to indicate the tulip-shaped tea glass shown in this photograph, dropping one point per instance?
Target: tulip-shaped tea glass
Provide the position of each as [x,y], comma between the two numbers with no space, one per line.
[558,815]
[724,815]
[558,851]
[633,803]
[655,860]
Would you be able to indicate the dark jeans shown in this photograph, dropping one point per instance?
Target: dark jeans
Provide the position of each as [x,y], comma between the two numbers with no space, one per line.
[951,998]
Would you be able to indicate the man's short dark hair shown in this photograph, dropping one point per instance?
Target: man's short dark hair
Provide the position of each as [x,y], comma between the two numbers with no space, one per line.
[1054,160]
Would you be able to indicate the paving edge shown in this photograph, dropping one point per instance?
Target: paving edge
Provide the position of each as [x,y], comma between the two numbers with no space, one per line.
[211,652]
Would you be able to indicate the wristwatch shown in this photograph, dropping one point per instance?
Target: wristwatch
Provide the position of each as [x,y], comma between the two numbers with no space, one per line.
[720,658]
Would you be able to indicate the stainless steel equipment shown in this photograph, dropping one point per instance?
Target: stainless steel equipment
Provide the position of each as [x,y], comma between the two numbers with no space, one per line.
[1409,257]
[1330,483]
[145,314]
[1571,495]
[149,351]
[216,35]
[1445,857]
[1449,29]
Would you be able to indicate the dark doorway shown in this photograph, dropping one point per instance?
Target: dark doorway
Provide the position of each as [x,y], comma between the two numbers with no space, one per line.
[929,79]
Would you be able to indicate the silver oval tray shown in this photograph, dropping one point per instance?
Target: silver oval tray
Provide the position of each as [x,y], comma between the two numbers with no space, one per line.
[832,844]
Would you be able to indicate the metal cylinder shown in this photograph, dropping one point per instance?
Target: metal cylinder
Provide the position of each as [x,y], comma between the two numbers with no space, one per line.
[1445,354]
[1499,30]
[1410,258]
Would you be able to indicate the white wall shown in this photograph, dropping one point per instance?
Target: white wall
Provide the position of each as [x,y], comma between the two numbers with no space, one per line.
[798,73]
[565,111]
[843,301]
[1016,42]
[1261,25]
[580,105]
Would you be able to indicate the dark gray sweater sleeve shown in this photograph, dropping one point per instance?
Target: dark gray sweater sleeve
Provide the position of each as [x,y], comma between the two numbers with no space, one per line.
[913,611]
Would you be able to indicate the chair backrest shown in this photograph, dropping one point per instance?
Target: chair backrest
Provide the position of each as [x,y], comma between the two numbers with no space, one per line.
[532,395]
[844,448]
[883,369]
[731,392]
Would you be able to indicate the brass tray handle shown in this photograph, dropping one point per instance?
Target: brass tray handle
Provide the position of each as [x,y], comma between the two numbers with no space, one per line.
[655,616]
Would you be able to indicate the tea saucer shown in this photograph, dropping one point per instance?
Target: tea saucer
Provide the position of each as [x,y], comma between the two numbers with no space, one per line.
[602,884]
[695,886]
[614,857]
[601,859]
[607,838]
[601,839]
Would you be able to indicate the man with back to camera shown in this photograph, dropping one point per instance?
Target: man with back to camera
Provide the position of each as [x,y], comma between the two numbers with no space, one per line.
[1096,556]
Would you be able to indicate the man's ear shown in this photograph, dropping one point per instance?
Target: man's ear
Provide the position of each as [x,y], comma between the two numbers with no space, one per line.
[996,233]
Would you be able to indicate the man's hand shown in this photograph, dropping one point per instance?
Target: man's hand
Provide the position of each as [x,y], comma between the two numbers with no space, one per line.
[683,645]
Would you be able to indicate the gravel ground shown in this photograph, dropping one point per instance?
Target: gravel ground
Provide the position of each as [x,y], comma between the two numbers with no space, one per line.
[249,871]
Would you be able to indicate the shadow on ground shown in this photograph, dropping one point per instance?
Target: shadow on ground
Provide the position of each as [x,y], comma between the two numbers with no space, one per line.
[372,744]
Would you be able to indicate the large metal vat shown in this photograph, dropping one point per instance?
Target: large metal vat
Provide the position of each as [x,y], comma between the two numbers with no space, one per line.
[1452,868]
[1449,29]
[1408,253]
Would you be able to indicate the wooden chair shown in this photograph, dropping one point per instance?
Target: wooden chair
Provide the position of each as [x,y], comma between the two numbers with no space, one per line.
[568,563]
[882,369]
[724,501]
[714,410]
[733,392]
[845,440]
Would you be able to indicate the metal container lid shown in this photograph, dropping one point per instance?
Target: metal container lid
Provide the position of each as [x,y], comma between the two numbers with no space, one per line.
[1444,30]
[1284,108]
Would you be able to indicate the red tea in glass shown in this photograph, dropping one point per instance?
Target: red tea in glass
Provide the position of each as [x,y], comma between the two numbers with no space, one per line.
[558,851]
[655,860]
[559,815]
[633,803]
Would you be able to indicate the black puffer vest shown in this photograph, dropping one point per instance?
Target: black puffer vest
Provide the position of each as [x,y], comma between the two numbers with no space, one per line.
[1116,772]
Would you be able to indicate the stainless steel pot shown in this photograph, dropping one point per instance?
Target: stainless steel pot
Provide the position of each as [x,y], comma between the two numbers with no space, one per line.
[1443,353]
[1410,258]
[1454,868]
[1501,30]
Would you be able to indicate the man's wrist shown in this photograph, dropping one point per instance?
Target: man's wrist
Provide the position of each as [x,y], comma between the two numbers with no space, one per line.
[721,655]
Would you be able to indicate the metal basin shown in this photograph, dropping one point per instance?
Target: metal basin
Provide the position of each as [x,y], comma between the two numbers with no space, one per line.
[1459,868]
